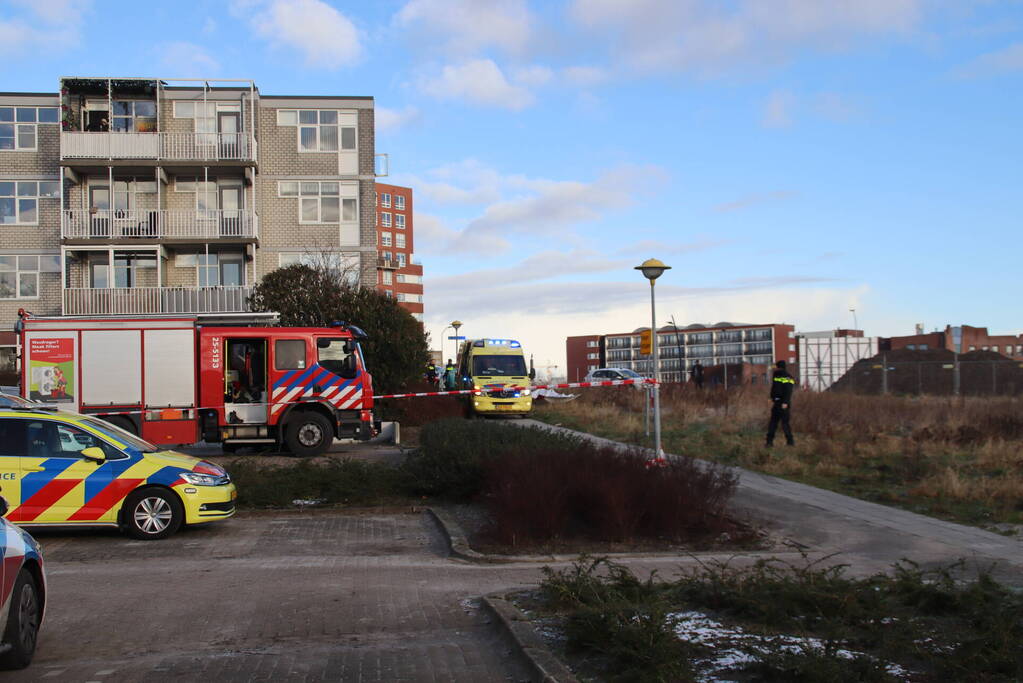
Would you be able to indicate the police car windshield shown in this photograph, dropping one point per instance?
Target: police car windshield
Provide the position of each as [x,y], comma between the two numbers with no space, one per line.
[120,434]
[628,373]
[499,366]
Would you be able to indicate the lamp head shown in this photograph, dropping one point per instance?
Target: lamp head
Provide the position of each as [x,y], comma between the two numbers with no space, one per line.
[652,269]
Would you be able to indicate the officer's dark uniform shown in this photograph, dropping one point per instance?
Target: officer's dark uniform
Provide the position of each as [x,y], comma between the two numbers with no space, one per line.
[431,373]
[782,385]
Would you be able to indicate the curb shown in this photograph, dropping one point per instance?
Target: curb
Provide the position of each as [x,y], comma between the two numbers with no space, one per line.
[458,543]
[546,668]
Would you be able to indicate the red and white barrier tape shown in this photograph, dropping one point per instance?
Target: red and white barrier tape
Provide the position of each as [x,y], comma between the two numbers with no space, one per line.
[570,385]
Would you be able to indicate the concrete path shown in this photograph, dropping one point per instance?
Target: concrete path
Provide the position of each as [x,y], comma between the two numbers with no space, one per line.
[868,536]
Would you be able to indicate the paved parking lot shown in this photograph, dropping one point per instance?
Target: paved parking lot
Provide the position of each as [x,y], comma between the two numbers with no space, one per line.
[310,597]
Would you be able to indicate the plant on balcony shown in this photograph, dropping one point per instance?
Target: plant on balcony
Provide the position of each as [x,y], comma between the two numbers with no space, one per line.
[67,114]
[306,296]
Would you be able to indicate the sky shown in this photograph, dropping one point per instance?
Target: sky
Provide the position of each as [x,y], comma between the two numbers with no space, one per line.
[789,159]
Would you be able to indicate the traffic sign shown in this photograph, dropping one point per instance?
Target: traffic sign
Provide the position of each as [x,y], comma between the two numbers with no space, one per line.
[456,338]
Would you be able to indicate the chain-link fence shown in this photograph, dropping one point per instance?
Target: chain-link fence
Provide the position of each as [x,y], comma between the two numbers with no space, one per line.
[942,378]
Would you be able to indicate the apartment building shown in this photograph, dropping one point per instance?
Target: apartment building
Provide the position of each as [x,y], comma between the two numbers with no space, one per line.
[398,274]
[959,339]
[682,347]
[150,196]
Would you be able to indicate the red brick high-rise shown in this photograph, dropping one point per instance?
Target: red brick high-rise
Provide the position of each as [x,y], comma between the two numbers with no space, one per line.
[397,275]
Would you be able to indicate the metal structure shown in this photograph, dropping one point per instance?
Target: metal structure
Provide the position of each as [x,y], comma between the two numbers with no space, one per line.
[824,359]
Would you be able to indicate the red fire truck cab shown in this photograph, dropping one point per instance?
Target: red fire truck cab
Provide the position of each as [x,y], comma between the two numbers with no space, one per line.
[175,380]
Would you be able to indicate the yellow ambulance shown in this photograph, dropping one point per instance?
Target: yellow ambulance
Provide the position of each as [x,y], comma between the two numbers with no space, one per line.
[495,370]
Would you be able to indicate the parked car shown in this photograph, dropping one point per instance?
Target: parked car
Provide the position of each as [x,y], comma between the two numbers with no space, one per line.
[605,374]
[22,594]
[66,469]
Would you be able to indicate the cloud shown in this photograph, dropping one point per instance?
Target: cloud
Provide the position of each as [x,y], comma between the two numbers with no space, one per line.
[465,182]
[1007,60]
[465,27]
[209,26]
[322,35]
[187,60]
[431,230]
[778,109]
[584,76]
[42,27]
[649,247]
[837,107]
[388,120]
[548,207]
[706,37]
[754,199]
[545,265]
[479,81]
[534,75]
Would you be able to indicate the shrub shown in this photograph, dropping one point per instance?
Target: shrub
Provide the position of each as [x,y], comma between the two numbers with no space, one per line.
[604,493]
[332,482]
[451,458]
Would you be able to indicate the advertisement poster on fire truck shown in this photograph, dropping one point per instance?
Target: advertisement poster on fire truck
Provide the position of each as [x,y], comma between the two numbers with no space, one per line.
[51,370]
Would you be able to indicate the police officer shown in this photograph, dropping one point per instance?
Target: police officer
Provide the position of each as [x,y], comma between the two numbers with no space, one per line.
[782,384]
[431,373]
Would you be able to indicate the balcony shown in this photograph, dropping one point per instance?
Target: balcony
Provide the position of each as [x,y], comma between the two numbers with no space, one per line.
[143,300]
[159,224]
[387,264]
[158,146]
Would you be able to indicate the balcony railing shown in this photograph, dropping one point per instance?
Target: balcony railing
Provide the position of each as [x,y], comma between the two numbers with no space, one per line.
[138,300]
[159,224]
[159,146]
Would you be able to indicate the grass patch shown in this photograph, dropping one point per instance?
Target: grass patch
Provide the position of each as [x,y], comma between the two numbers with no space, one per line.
[805,621]
[954,458]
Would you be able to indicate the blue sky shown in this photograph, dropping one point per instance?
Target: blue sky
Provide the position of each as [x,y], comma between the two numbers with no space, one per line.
[791,159]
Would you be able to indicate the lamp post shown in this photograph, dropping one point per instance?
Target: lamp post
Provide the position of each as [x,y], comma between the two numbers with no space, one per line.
[653,269]
[856,325]
[456,324]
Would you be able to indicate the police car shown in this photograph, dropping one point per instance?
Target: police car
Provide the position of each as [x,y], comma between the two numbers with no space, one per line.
[22,594]
[66,469]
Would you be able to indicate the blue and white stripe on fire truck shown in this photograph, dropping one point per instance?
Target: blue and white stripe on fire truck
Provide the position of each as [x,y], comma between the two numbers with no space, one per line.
[340,392]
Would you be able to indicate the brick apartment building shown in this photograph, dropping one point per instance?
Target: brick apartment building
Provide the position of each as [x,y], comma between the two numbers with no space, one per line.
[959,339]
[141,196]
[732,344]
[398,275]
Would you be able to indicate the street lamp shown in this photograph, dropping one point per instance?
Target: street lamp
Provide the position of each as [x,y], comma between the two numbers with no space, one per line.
[856,325]
[456,324]
[653,269]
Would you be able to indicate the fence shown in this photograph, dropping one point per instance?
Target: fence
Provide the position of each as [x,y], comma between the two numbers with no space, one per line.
[929,377]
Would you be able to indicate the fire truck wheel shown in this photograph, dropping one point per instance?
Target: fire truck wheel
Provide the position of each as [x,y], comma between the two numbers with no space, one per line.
[152,513]
[308,433]
[124,423]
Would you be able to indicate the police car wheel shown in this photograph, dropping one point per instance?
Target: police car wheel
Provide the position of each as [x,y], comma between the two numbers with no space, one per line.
[151,514]
[22,622]
[308,433]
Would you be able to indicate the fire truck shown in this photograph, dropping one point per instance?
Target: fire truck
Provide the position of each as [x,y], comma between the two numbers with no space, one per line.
[178,380]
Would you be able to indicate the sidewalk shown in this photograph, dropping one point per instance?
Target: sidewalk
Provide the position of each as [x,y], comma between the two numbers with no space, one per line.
[868,536]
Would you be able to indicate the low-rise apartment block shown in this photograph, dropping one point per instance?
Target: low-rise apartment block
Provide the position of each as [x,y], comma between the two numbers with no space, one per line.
[148,196]
[683,347]
[959,339]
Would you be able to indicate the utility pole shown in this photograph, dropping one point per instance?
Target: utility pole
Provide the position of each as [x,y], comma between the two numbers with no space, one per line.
[884,373]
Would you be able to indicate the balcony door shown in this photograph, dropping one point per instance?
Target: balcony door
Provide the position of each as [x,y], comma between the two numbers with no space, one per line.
[99,211]
[230,199]
[229,127]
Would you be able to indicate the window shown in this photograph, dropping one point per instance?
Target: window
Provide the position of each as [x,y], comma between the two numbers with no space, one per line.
[289,354]
[18,126]
[319,202]
[792,347]
[399,221]
[972,347]
[19,200]
[592,344]
[219,270]
[134,116]
[19,274]
[401,259]
[994,348]
[410,279]
[911,347]
[399,202]
[385,239]
[389,293]
[410,298]
[923,347]
[387,256]
[127,268]
[387,277]
[385,199]
[205,115]
[385,219]
[399,240]
[593,356]
[318,130]
[333,355]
